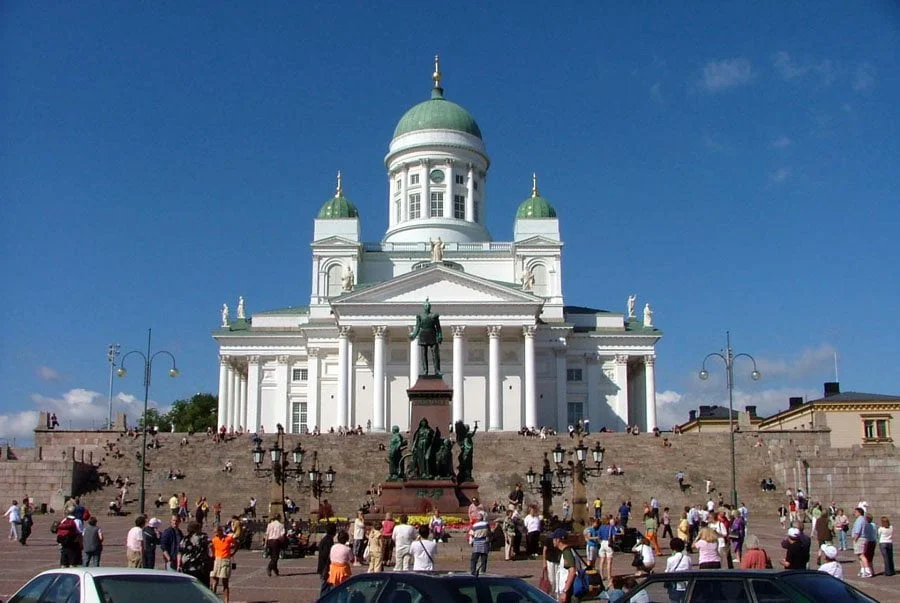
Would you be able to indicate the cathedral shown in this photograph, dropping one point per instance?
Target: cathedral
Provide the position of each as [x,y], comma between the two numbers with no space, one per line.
[514,353]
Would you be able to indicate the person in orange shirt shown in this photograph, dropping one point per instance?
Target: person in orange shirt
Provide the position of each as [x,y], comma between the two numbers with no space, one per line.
[223,547]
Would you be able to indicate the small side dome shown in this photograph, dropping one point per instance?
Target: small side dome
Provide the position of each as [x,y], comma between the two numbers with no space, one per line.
[338,206]
[535,206]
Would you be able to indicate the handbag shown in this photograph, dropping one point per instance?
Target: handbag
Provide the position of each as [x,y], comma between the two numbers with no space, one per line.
[544,583]
[638,561]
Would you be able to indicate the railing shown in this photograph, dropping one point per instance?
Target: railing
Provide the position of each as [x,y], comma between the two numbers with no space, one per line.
[424,247]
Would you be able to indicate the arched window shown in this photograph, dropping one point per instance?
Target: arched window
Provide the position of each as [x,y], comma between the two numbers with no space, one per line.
[335,271]
[541,280]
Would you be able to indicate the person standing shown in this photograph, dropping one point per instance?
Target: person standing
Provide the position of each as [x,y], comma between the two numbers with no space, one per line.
[193,554]
[871,533]
[605,553]
[667,524]
[886,544]
[598,507]
[15,520]
[223,546]
[679,561]
[532,532]
[423,551]
[567,510]
[478,537]
[754,557]
[151,539]
[27,520]
[169,543]
[376,558]
[551,558]
[339,558]
[565,579]
[403,536]
[842,527]
[796,556]
[359,538]
[324,560]
[651,526]
[134,543]
[859,542]
[509,535]
[275,535]
[831,565]
[92,539]
[624,512]
[387,541]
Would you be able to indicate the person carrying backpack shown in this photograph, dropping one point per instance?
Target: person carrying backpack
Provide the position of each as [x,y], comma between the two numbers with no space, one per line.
[568,568]
[69,540]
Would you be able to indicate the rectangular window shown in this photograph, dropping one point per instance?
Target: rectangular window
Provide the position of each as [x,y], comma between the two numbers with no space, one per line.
[475,184]
[415,206]
[413,178]
[299,374]
[573,374]
[475,211]
[298,418]
[398,187]
[574,412]
[460,179]
[437,204]
[459,207]
[877,429]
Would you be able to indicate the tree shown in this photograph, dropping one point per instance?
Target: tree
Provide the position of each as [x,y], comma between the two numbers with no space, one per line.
[156,419]
[195,414]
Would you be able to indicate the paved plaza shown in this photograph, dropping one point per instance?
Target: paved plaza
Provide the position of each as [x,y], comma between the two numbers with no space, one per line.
[299,583]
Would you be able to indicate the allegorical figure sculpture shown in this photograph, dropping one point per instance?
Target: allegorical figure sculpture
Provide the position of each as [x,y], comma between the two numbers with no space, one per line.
[347,279]
[395,455]
[240,308]
[528,280]
[428,330]
[648,316]
[423,455]
[632,299]
[224,315]
[437,250]
[464,438]
[444,459]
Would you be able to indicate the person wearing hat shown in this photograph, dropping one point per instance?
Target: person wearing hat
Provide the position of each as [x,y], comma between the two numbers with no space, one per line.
[831,566]
[565,579]
[796,556]
[151,539]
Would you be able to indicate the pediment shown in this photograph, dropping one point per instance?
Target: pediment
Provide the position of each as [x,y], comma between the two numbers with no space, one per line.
[440,285]
[335,241]
[538,241]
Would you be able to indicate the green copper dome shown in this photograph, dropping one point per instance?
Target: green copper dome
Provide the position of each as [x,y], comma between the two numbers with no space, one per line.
[535,206]
[437,113]
[338,206]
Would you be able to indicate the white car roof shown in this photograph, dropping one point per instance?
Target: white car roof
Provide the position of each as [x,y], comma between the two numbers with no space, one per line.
[113,571]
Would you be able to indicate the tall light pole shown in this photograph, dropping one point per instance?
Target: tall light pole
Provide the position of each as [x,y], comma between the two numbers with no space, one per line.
[148,363]
[728,358]
[112,352]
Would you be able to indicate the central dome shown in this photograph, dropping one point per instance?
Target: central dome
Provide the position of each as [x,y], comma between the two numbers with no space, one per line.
[437,113]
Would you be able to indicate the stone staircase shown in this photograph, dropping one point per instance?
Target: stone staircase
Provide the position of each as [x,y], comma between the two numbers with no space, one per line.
[501,461]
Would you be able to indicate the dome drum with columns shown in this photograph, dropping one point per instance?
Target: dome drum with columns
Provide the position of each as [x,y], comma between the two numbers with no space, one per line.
[513,352]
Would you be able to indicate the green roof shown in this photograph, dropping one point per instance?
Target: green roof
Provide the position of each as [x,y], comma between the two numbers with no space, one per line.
[535,207]
[338,206]
[437,113]
[299,310]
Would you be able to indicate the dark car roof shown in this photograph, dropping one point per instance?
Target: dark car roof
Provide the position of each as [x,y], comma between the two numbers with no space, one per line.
[725,573]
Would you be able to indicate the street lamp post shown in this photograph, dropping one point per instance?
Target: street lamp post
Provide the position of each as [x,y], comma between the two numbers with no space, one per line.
[728,358]
[148,363]
[112,352]
[319,482]
[578,470]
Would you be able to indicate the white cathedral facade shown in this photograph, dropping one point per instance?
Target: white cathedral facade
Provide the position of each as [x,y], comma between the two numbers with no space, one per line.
[514,353]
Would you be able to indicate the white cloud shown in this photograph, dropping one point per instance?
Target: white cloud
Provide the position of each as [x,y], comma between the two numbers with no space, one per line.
[675,407]
[780,175]
[782,142]
[864,78]
[48,373]
[728,73]
[790,69]
[809,362]
[86,408]
[19,425]
[668,397]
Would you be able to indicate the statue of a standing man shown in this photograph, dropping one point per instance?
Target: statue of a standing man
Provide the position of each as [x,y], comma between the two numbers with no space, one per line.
[428,330]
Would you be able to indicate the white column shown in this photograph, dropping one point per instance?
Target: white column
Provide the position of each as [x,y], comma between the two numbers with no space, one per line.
[282,411]
[470,195]
[495,416]
[343,373]
[222,413]
[531,419]
[235,398]
[378,385]
[592,411]
[351,381]
[252,394]
[413,360]
[229,389]
[650,389]
[622,384]
[448,190]
[562,400]
[426,191]
[392,203]
[404,197]
[458,375]
[312,388]
[242,400]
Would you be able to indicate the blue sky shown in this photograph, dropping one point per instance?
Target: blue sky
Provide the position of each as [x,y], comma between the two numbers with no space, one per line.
[733,164]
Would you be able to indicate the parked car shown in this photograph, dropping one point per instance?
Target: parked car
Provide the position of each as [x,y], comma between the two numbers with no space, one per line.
[746,586]
[424,587]
[103,584]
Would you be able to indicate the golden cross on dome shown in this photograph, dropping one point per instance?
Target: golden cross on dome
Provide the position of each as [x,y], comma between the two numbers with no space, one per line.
[340,188]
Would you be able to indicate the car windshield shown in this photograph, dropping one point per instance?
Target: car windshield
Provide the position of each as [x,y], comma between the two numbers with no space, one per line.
[822,587]
[151,589]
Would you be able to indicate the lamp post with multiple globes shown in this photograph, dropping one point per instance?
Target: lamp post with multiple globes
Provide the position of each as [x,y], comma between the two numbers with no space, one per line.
[578,470]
